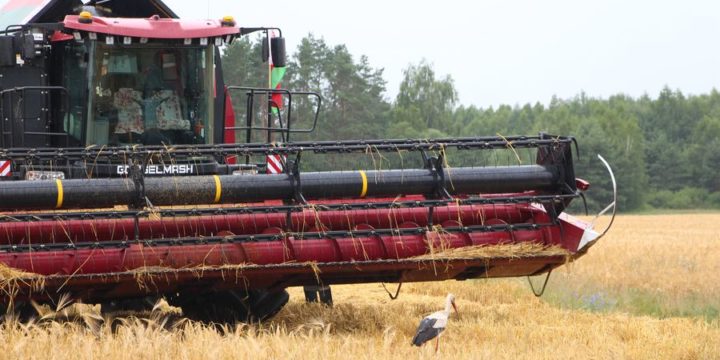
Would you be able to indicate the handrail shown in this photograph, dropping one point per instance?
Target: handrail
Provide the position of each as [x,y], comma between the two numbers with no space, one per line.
[251,92]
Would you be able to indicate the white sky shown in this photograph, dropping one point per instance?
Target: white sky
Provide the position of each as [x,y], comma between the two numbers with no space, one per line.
[509,51]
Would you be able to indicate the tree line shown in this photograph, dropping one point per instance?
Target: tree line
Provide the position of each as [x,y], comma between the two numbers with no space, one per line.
[664,150]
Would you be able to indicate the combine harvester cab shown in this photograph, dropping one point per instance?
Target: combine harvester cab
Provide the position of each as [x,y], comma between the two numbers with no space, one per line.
[109,199]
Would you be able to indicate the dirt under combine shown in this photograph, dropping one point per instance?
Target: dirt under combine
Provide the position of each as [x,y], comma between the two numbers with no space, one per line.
[112,200]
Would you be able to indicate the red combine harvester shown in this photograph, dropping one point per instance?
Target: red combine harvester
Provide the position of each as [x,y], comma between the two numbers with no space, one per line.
[121,179]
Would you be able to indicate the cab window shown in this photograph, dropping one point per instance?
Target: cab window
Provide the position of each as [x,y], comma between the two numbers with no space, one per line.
[151,95]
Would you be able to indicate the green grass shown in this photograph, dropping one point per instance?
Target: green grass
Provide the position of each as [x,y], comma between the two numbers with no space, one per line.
[653,211]
[633,301]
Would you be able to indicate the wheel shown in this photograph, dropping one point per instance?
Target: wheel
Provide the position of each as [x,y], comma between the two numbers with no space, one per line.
[133,304]
[23,311]
[266,304]
[230,306]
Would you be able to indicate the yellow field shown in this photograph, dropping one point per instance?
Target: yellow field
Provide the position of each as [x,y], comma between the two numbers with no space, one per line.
[651,289]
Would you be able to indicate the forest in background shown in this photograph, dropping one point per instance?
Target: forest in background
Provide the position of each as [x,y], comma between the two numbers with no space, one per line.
[664,150]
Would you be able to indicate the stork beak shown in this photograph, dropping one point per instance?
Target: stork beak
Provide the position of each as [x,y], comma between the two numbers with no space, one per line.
[454,307]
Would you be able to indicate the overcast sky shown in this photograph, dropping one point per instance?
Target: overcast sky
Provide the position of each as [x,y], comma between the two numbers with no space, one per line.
[509,51]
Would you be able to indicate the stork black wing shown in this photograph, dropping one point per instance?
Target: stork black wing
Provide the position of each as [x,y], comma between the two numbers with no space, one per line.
[425,331]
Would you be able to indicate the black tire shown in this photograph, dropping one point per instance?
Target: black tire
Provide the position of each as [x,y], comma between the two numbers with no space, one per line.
[265,304]
[134,304]
[23,311]
[231,306]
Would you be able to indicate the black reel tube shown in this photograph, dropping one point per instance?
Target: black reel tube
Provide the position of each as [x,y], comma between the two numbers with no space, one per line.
[226,189]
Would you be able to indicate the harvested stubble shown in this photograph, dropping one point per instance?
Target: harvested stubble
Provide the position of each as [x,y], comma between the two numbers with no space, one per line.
[497,319]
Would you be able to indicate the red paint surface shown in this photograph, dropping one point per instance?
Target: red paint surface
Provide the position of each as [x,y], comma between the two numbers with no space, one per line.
[229,135]
[98,261]
[153,28]
[247,224]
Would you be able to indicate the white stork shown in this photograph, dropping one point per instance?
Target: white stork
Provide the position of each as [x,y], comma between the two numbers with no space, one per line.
[432,325]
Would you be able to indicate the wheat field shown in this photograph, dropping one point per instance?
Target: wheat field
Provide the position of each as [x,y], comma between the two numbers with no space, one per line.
[650,289]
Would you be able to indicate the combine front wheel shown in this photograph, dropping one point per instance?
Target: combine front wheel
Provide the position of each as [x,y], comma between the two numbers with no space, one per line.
[21,311]
[229,306]
[134,304]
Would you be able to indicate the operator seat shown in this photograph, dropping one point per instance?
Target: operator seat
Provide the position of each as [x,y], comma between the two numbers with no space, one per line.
[164,119]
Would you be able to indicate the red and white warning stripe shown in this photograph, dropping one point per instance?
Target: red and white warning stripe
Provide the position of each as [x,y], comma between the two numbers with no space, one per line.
[5,167]
[275,164]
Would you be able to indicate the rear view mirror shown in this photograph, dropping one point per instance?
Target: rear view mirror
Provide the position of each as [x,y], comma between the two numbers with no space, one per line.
[278,51]
[7,51]
[277,45]
[28,46]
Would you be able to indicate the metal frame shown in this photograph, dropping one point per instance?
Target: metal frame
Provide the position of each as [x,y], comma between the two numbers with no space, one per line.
[319,147]
[252,92]
[45,91]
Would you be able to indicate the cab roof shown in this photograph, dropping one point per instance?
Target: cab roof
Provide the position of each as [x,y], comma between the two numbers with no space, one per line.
[152,28]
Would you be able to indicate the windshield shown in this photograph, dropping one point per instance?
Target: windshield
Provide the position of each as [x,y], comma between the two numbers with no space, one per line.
[150,95]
